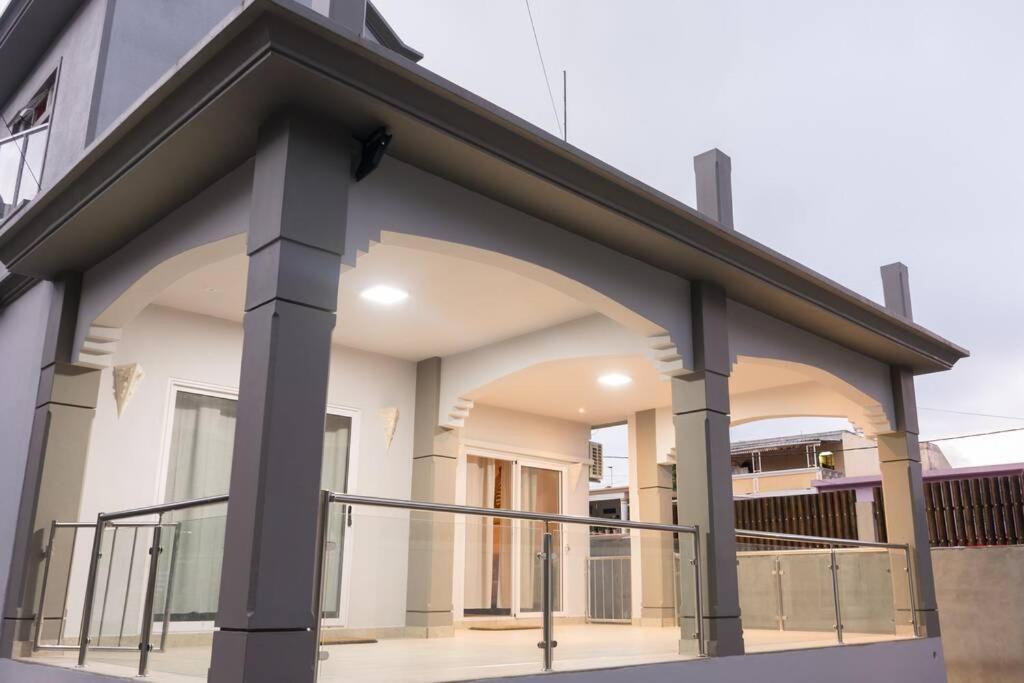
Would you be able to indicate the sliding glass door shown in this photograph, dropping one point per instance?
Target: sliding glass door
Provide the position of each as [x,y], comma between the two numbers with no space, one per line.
[540,490]
[199,464]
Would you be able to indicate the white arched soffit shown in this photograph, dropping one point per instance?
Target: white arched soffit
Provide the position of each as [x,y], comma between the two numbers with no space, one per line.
[101,336]
[818,393]
[208,228]
[613,330]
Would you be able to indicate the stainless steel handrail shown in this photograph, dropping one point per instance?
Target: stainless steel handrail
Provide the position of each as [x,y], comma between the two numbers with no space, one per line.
[102,520]
[25,133]
[548,643]
[821,540]
[833,566]
[40,616]
[374,501]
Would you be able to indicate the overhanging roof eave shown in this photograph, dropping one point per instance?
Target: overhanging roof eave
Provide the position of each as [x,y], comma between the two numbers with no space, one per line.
[489,132]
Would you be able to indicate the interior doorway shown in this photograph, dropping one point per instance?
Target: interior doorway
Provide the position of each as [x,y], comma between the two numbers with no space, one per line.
[503,569]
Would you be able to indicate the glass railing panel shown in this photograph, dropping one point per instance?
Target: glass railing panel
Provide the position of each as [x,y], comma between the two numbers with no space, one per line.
[186,588]
[398,606]
[32,164]
[868,579]
[625,599]
[415,595]
[10,165]
[787,596]
[21,163]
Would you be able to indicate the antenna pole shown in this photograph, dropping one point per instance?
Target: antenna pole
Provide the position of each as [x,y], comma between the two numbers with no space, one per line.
[565,107]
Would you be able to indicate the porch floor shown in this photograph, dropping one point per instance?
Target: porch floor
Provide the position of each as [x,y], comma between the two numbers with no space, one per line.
[468,655]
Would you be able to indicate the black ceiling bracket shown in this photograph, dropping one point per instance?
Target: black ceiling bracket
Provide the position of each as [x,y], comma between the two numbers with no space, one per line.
[374,148]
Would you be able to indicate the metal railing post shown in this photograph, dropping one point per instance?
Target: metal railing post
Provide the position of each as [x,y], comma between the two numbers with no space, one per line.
[913,597]
[145,646]
[42,591]
[90,590]
[835,592]
[170,585]
[698,601]
[322,541]
[548,643]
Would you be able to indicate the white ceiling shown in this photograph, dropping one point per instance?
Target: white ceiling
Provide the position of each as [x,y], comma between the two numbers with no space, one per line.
[454,304]
[572,384]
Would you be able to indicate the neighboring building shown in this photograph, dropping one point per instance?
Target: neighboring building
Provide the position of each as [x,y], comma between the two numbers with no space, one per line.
[252,252]
[792,464]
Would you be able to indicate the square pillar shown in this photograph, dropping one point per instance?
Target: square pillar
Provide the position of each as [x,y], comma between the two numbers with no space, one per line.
[700,404]
[267,615]
[899,458]
[54,470]
[429,602]
[654,491]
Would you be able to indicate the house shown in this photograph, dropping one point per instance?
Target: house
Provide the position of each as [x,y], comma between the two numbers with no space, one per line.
[262,254]
[793,464]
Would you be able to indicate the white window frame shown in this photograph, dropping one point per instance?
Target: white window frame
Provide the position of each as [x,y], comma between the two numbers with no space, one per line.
[176,385]
[518,460]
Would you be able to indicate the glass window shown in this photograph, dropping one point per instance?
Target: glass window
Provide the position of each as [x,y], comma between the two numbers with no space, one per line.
[202,442]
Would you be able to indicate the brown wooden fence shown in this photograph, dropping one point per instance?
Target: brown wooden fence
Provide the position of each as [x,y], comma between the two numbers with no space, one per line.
[832,514]
[960,512]
[969,512]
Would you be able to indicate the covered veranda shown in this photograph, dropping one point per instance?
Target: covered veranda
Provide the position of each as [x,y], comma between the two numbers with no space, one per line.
[695,297]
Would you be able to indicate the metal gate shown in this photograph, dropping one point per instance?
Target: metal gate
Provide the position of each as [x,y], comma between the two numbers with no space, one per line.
[609,579]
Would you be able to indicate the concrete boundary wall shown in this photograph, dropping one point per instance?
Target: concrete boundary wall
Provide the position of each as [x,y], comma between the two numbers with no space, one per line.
[980,593]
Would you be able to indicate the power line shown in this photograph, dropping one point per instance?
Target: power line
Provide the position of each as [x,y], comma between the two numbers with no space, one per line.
[964,412]
[547,81]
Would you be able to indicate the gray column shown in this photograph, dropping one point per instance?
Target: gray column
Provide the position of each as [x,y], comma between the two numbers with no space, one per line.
[431,535]
[700,403]
[654,489]
[899,456]
[713,171]
[54,468]
[267,613]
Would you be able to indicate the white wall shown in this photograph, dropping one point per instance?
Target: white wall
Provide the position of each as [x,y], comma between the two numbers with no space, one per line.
[126,462]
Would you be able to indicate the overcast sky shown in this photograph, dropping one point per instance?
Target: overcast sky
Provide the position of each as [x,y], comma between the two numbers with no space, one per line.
[860,133]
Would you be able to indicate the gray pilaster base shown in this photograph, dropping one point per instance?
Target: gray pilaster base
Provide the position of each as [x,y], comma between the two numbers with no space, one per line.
[262,656]
[724,636]
[16,636]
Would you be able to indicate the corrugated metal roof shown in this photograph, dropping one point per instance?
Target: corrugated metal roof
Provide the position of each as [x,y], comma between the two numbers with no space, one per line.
[784,441]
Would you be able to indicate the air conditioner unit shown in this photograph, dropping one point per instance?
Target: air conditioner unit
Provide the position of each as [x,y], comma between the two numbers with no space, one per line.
[596,461]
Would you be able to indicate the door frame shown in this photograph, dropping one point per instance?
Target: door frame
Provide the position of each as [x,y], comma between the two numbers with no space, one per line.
[518,460]
[176,385]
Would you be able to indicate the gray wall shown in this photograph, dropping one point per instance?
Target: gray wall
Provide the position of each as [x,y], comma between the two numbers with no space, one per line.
[22,328]
[145,40]
[75,52]
[40,673]
[981,606]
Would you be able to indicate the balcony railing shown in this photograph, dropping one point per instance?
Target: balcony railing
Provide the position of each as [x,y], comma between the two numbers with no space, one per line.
[814,591]
[21,164]
[795,591]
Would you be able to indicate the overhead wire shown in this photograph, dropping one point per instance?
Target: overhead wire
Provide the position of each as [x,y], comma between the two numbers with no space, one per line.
[544,68]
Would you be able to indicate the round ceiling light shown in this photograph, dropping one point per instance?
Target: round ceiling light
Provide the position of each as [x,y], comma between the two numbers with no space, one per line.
[384,295]
[615,379]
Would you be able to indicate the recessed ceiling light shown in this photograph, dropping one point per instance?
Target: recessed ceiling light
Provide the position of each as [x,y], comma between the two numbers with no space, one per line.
[614,379]
[385,295]
[582,410]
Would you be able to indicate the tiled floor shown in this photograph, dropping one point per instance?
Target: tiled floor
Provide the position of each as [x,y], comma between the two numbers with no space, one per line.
[466,656]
